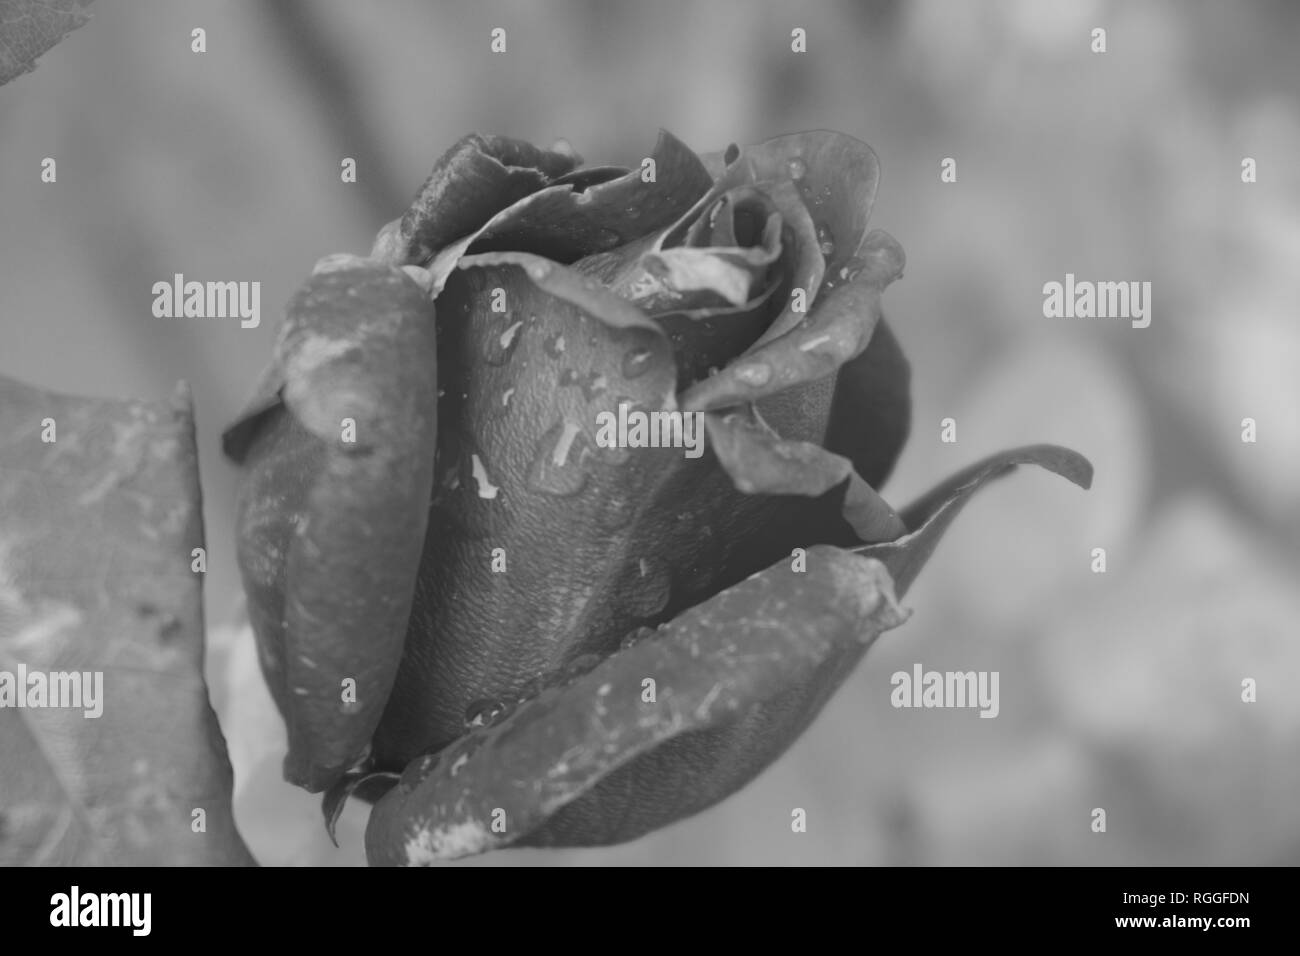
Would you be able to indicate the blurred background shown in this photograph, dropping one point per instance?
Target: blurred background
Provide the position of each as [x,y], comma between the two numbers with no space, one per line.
[1119,690]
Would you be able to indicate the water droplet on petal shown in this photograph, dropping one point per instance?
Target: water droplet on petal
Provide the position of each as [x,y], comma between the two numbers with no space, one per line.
[501,347]
[644,588]
[484,712]
[594,385]
[485,487]
[554,345]
[825,241]
[539,270]
[636,361]
[505,397]
[557,467]
[568,377]
[798,169]
[852,268]
[755,374]
[636,637]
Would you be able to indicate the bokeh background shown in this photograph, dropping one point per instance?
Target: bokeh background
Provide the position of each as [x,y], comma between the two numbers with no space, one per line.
[1119,690]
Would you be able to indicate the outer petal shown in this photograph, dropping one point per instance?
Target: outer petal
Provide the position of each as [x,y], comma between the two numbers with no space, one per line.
[761,462]
[475,179]
[567,221]
[838,329]
[331,523]
[734,661]
[872,410]
[738,678]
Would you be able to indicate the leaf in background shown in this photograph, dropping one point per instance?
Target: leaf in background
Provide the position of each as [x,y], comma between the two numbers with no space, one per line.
[30,27]
[97,530]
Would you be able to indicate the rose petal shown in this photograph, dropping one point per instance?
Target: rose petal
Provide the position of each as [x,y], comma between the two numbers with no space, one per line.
[564,223]
[330,529]
[471,182]
[708,323]
[834,178]
[737,679]
[838,329]
[519,470]
[759,461]
[595,541]
[872,411]
[837,176]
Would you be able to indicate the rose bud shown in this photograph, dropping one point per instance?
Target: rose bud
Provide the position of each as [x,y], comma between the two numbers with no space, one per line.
[605,532]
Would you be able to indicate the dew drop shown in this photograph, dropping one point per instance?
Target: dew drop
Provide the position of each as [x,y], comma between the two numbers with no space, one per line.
[798,169]
[755,374]
[484,712]
[501,347]
[485,487]
[538,270]
[554,345]
[645,588]
[557,468]
[825,241]
[505,397]
[594,385]
[636,637]
[851,269]
[568,377]
[635,362]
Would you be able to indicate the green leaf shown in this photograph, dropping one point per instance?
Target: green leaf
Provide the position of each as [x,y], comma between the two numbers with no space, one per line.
[331,521]
[97,532]
[28,28]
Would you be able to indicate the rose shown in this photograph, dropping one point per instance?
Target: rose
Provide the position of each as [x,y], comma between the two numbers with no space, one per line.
[502,630]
